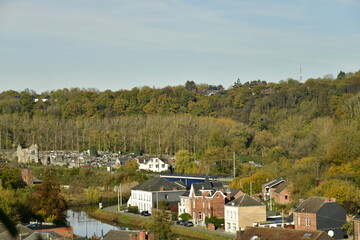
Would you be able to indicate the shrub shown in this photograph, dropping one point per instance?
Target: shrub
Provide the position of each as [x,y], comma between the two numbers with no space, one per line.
[133,209]
[216,221]
[185,216]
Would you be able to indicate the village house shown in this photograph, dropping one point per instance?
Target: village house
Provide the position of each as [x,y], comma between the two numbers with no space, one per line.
[28,155]
[206,199]
[243,212]
[262,233]
[320,213]
[268,188]
[153,164]
[148,194]
[282,194]
[128,235]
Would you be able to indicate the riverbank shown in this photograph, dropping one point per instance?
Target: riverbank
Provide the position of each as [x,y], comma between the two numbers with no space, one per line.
[139,222]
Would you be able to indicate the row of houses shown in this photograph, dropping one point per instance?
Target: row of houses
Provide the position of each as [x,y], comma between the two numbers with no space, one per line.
[211,198]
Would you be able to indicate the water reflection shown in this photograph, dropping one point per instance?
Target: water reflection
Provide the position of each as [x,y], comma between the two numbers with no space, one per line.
[84,225]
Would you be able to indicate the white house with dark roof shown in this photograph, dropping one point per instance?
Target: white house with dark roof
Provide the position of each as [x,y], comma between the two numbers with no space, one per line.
[242,212]
[148,194]
[153,164]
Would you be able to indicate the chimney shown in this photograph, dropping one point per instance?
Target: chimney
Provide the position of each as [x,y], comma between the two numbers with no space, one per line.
[162,188]
[175,188]
[332,199]
[142,235]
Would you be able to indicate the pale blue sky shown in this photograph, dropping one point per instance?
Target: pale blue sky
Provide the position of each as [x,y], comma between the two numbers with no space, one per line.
[121,44]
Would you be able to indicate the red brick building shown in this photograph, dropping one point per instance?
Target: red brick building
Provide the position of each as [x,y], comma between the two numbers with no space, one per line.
[268,188]
[282,194]
[320,213]
[206,199]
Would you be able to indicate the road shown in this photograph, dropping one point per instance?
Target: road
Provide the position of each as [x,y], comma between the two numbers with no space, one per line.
[220,232]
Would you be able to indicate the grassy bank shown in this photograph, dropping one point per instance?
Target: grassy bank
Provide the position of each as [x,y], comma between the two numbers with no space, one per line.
[137,223]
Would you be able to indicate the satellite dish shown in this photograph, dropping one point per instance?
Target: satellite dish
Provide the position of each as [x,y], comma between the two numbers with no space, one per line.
[331,233]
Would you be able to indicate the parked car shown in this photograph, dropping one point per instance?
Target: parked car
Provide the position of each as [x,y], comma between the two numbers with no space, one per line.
[188,224]
[145,213]
[180,222]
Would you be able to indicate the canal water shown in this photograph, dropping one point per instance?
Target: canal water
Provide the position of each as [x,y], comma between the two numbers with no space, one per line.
[86,226]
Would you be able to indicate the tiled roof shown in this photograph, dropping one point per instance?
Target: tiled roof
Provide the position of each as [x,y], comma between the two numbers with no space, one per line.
[244,201]
[155,183]
[281,187]
[282,234]
[119,235]
[311,205]
[273,182]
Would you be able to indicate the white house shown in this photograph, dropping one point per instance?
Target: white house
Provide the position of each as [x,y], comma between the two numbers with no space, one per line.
[243,212]
[148,194]
[153,164]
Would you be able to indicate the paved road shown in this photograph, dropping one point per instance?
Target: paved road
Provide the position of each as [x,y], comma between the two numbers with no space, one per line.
[221,232]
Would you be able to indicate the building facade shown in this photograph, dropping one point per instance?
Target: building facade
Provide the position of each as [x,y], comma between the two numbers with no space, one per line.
[148,194]
[243,212]
[206,199]
[153,164]
[28,155]
[321,214]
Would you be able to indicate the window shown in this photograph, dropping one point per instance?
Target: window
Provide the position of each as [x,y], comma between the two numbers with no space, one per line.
[166,196]
[286,197]
[299,220]
[163,165]
[150,166]
[308,222]
[228,226]
[200,216]
[234,226]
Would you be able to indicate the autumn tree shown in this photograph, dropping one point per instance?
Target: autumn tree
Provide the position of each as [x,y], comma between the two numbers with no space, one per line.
[185,162]
[161,225]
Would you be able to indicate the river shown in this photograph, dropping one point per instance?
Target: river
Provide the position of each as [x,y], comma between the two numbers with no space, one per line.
[84,225]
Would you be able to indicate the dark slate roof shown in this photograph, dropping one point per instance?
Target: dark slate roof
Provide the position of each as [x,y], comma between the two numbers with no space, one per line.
[154,184]
[244,201]
[311,205]
[24,231]
[212,186]
[119,235]
[357,217]
[273,182]
[281,187]
[43,235]
[282,234]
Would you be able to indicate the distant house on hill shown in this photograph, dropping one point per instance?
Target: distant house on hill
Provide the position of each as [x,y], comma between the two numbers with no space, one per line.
[153,164]
[268,188]
[28,155]
[320,213]
[283,194]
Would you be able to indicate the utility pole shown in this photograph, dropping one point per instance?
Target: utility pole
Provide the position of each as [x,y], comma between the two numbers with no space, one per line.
[118,199]
[121,203]
[251,188]
[270,201]
[234,164]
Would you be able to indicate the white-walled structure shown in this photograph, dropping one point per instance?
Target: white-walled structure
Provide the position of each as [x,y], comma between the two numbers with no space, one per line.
[148,194]
[154,164]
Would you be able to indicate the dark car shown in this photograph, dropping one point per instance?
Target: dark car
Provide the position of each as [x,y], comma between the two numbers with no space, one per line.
[188,224]
[145,213]
[180,222]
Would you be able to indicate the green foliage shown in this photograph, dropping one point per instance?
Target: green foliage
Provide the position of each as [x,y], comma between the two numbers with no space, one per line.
[10,177]
[133,209]
[185,216]
[93,151]
[218,222]
[185,162]
[92,195]
[161,225]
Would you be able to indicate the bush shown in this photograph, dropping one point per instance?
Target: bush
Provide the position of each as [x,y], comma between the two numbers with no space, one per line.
[216,221]
[185,216]
[133,209]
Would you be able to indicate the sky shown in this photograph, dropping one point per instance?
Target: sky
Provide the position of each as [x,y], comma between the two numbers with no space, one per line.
[47,45]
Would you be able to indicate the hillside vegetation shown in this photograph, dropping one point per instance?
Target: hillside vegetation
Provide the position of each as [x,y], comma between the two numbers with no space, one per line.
[307,132]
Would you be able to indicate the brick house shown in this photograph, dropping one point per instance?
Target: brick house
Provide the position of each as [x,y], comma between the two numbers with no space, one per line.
[128,235]
[243,212]
[282,194]
[206,199]
[356,222]
[261,233]
[148,194]
[268,188]
[320,213]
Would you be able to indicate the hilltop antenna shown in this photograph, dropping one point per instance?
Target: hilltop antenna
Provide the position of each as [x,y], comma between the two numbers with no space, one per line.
[300,74]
